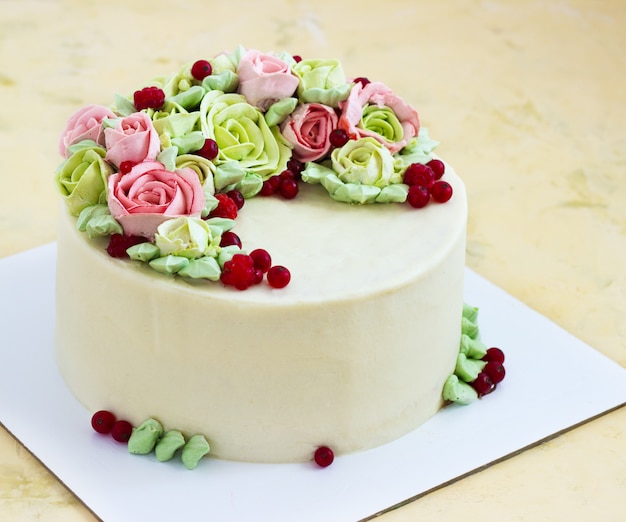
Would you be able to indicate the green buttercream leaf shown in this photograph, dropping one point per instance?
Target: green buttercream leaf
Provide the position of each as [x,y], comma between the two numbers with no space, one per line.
[176,125]
[168,445]
[472,348]
[468,369]
[250,185]
[353,193]
[227,253]
[193,451]
[144,252]
[228,173]
[190,98]
[202,268]
[88,213]
[220,224]
[396,193]
[225,81]
[103,225]
[189,142]
[330,97]
[169,264]
[470,312]
[144,437]
[123,106]
[458,391]
[277,112]
[168,157]
[469,328]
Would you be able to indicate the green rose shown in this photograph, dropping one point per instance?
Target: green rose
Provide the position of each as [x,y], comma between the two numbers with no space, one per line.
[186,237]
[243,135]
[82,178]
[204,168]
[322,81]
[365,162]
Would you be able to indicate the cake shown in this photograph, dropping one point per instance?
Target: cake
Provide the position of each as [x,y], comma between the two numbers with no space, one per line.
[262,252]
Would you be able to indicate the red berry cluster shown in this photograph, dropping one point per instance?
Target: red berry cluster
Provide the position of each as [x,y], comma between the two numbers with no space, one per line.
[119,243]
[227,207]
[149,98]
[104,422]
[244,271]
[492,374]
[284,184]
[425,183]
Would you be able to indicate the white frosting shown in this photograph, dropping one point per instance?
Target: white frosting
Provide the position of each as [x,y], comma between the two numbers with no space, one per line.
[353,353]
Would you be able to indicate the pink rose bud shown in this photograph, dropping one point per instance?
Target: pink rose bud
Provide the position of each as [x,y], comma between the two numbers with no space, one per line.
[133,139]
[308,129]
[84,124]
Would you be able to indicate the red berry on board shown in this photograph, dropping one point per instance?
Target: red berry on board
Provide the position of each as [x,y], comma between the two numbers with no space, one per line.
[288,188]
[201,69]
[102,421]
[419,174]
[226,207]
[441,191]
[209,150]
[338,138]
[494,354]
[495,371]
[262,259]
[237,198]
[483,384]
[230,238]
[418,196]
[438,167]
[324,456]
[121,431]
[278,276]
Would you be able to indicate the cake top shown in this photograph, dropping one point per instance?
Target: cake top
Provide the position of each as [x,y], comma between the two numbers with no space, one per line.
[162,174]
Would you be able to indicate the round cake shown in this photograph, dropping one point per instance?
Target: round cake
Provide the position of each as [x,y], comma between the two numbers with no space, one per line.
[343,340]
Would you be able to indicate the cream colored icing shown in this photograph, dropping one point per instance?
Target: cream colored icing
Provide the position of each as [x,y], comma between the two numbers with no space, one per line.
[352,354]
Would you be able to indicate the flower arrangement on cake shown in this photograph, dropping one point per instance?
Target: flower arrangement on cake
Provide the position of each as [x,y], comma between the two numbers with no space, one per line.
[163,173]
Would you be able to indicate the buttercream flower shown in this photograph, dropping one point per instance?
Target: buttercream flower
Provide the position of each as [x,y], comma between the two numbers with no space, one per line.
[366,162]
[321,81]
[133,139]
[265,79]
[84,124]
[188,237]
[374,110]
[149,194]
[243,135]
[308,129]
[82,179]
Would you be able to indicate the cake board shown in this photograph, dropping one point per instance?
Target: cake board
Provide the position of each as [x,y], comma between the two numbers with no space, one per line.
[533,404]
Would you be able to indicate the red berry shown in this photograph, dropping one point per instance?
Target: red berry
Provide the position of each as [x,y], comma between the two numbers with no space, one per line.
[324,456]
[278,276]
[297,58]
[418,196]
[121,431]
[262,259]
[438,167]
[362,80]
[102,421]
[270,186]
[338,138]
[230,238]
[483,384]
[239,272]
[258,276]
[296,167]
[494,354]
[441,191]
[495,371]
[126,166]
[149,98]
[209,150]
[237,198]
[288,188]
[226,207]
[201,69]
[119,243]
[419,174]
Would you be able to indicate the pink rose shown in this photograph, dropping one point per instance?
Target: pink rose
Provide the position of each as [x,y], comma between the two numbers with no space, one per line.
[148,195]
[265,79]
[308,129]
[134,139]
[374,110]
[84,124]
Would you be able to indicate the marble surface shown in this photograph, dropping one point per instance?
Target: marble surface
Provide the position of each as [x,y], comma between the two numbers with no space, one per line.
[527,99]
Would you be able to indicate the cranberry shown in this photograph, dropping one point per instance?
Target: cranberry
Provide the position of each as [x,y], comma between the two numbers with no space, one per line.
[495,371]
[324,456]
[230,238]
[494,354]
[201,69]
[226,207]
[121,431]
[270,186]
[438,167]
[237,198]
[483,384]
[295,166]
[419,174]
[126,166]
[102,421]
[288,188]
[418,196]
[209,150]
[338,138]
[262,259]
[278,276]
[441,191]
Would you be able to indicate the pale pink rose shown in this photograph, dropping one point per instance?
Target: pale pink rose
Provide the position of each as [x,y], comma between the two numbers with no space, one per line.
[133,139]
[378,94]
[265,79]
[308,129]
[84,124]
[149,194]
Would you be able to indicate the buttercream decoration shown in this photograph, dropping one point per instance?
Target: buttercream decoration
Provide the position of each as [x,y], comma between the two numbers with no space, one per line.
[265,79]
[393,194]
[470,312]
[88,213]
[149,194]
[210,203]
[225,81]
[220,224]
[202,268]
[189,98]
[228,173]
[356,193]
[308,131]
[133,138]
[176,125]
[187,237]
[250,185]
[469,328]
[374,110]
[322,81]
[455,390]
[467,369]
[204,168]
[473,348]
[144,437]
[97,221]
[168,157]
[144,252]
[189,142]
[193,451]
[84,124]
[418,150]
[278,111]
[123,106]
[169,264]
[227,253]
[168,445]
[365,161]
